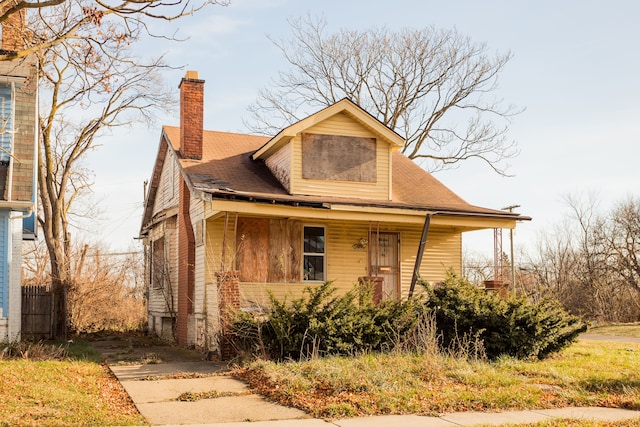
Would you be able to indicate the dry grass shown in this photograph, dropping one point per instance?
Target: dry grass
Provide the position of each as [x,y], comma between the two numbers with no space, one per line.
[577,423]
[60,385]
[621,330]
[587,374]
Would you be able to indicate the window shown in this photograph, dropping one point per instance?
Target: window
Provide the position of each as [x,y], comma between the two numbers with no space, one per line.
[6,122]
[157,274]
[313,255]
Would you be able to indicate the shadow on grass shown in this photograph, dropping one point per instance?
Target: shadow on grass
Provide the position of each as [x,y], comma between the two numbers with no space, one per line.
[611,385]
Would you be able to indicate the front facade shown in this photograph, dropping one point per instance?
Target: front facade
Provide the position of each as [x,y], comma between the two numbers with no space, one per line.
[329,198]
[18,155]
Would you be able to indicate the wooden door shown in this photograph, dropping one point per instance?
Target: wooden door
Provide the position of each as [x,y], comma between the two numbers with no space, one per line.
[386,264]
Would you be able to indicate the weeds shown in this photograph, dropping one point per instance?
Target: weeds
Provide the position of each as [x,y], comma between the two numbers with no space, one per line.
[33,351]
[190,396]
[586,374]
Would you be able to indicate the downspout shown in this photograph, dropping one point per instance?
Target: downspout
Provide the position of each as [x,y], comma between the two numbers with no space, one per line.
[423,243]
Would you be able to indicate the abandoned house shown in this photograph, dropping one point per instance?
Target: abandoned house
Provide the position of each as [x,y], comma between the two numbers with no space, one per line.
[229,216]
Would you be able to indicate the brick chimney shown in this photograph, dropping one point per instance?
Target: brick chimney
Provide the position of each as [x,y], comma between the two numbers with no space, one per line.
[13,28]
[191,115]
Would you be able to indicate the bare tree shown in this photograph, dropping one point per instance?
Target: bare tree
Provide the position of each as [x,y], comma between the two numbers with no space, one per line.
[107,290]
[89,85]
[477,268]
[85,20]
[435,87]
[552,270]
[623,237]
[589,263]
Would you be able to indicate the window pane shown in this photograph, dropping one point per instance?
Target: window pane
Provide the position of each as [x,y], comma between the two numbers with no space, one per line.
[6,126]
[313,267]
[314,240]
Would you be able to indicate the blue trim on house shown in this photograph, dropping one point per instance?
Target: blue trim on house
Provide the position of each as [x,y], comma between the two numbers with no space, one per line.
[30,227]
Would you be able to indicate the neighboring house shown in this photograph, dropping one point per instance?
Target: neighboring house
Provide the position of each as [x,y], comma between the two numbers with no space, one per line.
[18,157]
[231,216]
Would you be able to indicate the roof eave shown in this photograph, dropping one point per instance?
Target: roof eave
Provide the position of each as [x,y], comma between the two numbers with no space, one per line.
[355,205]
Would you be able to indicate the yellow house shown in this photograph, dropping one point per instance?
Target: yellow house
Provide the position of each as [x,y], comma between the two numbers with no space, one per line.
[328,198]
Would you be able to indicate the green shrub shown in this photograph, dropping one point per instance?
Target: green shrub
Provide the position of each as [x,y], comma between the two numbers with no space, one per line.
[321,323]
[510,325]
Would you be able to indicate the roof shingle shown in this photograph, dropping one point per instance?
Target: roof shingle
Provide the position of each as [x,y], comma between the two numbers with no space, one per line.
[226,167]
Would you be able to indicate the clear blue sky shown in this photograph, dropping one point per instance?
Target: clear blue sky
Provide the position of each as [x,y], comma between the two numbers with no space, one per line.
[576,70]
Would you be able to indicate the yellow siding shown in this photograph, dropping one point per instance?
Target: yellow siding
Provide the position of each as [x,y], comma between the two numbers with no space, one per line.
[341,124]
[442,252]
[280,166]
[214,243]
[344,262]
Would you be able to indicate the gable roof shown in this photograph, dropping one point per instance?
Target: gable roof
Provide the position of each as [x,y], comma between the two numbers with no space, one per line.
[233,167]
[345,105]
[227,169]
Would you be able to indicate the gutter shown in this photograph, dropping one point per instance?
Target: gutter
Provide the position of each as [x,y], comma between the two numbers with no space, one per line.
[208,194]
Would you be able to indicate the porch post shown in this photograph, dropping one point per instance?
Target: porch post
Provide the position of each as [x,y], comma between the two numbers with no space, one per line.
[423,243]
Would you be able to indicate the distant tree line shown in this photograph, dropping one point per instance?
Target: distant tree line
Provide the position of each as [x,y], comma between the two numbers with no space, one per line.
[590,262]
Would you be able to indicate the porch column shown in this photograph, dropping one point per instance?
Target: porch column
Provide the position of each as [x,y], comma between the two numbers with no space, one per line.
[423,243]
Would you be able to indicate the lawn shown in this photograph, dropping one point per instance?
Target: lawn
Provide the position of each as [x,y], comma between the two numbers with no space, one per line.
[73,390]
[621,330]
[586,374]
[78,390]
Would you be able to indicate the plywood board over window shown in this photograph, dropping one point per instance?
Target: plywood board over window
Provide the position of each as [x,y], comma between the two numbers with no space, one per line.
[268,250]
[339,158]
[252,247]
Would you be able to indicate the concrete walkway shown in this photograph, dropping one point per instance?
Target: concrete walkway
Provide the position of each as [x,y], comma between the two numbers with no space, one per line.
[155,389]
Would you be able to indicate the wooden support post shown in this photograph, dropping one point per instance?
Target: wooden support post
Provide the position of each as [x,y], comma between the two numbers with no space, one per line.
[423,243]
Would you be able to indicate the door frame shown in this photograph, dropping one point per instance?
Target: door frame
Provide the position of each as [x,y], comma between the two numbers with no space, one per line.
[374,258]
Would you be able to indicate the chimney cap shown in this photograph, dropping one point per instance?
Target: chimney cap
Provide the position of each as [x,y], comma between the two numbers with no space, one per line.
[190,76]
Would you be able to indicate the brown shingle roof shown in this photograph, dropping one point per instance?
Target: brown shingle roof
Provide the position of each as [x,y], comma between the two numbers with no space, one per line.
[227,168]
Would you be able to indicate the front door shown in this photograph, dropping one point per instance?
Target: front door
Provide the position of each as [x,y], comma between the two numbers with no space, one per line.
[385,263]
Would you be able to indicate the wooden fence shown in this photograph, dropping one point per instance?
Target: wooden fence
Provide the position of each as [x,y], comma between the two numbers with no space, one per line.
[37,309]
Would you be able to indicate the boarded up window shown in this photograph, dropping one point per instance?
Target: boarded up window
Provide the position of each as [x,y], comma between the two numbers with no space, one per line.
[158,268]
[340,158]
[252,245]
[268,250]
[284,250]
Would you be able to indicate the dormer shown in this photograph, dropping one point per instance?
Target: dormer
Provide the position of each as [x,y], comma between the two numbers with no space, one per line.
[340,151]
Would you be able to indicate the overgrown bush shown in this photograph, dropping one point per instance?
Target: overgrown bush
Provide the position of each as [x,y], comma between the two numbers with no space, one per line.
[320,323]
[509,325]
[468,323]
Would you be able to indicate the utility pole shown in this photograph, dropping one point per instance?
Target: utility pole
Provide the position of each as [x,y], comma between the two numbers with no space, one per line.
[513,264]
